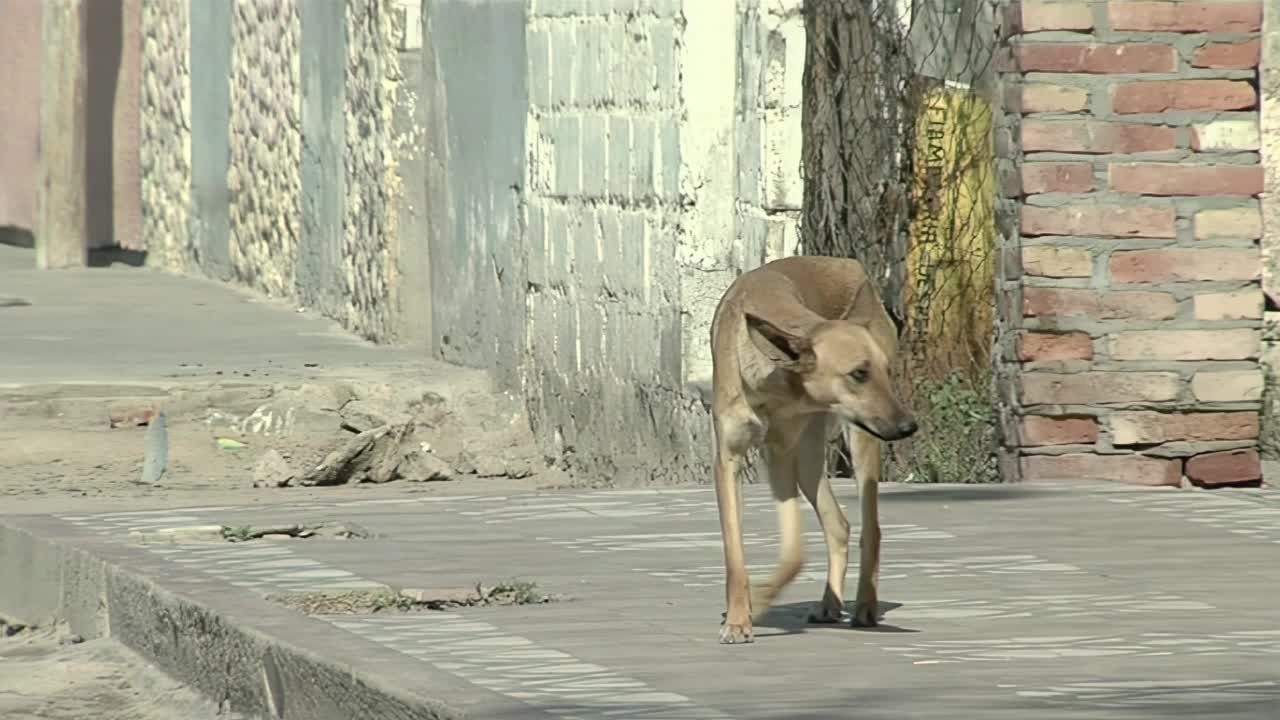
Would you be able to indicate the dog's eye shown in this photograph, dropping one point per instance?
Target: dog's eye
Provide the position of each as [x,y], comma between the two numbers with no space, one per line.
[858,375]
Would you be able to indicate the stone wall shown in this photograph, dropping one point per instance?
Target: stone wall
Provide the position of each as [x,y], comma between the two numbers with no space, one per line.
[1133,306]
[266,143]
[165,133]
[286,180]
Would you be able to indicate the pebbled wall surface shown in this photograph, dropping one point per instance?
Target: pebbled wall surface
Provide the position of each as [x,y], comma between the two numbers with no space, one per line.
[165,134]
[369,238]
[266,144]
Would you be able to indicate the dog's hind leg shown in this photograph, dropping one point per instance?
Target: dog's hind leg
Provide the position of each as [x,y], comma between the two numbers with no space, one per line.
[731,442]
[866,451]
[781,459]
[811,472]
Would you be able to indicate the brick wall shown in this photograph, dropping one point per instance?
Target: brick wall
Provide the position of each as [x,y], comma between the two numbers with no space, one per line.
[1132,311]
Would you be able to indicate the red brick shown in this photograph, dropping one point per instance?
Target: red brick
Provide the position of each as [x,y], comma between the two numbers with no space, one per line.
[1229,56]
[1153,428]
[1037,16]
[1041,97]
[130,416]
[1038,177]
[1096,59]
[1038,430]
[1183,264]
[1034,346]
[1224,468]
[1090,136]
[1079,302]
[1098,387]
[1156,96]
[1100,220]
[1234,344]
[1060,262]
[1235,17]
[1180,179]
[1130,469]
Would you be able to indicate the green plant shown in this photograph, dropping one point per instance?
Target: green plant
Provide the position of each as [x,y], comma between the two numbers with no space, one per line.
[957,437]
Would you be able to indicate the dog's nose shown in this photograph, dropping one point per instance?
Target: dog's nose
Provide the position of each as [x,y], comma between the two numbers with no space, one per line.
[907,428]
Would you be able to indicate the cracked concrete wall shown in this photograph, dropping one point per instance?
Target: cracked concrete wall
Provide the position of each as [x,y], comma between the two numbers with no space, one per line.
[659,170]
[475,89]
[605,353]
[771,45]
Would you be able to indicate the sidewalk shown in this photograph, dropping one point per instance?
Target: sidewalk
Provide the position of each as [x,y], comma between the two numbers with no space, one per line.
[1004,602]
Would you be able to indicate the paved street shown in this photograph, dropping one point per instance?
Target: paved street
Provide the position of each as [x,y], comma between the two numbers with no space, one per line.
[1000,602]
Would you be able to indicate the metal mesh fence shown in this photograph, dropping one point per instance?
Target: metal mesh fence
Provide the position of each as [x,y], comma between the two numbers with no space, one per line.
[899,173]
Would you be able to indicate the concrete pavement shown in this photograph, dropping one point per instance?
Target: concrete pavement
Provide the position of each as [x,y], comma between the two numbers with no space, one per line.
[1000,602]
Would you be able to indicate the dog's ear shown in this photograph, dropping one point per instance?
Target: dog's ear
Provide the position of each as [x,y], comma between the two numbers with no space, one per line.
[787,350]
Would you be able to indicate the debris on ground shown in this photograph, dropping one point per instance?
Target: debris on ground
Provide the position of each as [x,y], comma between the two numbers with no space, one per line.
[199,534]
[340,530]
[229,437]
[377,600]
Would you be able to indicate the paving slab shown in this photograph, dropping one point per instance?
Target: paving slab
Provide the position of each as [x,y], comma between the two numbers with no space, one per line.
[999,602]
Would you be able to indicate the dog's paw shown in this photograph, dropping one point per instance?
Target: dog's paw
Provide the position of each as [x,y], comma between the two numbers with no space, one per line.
[825,613]
[865,614]
[735,633]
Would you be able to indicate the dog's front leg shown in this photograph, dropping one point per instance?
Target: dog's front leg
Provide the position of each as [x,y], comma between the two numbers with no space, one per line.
[866,451]
[737,620]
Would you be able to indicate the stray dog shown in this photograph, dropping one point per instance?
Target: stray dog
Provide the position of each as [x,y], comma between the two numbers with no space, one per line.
[796,344]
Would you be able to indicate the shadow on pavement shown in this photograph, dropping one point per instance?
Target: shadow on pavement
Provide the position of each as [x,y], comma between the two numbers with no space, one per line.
[957,493]
[793,619]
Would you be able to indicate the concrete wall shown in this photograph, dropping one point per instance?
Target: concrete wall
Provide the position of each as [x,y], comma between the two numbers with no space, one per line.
[1133,296]
[20,113]
[475,139]
[112,183]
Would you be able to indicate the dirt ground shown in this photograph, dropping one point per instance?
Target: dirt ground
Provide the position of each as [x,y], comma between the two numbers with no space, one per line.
[52,466]
[43,674]
[82,470]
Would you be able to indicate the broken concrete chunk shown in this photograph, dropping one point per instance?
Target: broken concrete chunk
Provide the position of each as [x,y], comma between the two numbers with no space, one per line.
[362,415]
[155,454]
[349,463]
[273,470]
[421,466]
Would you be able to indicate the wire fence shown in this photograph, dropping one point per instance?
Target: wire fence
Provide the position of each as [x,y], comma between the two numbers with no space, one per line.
[899,173]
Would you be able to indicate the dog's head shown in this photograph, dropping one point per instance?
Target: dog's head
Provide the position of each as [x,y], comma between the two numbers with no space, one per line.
[841,369]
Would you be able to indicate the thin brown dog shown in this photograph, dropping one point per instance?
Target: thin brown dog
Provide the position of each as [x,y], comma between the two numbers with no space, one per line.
[799,343]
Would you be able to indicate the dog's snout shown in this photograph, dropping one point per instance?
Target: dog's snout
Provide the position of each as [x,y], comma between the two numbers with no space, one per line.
[907,427]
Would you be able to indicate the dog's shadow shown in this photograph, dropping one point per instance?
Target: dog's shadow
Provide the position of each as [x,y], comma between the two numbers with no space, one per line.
[793,618]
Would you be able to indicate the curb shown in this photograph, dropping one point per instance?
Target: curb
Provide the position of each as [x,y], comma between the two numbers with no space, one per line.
[224,642]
